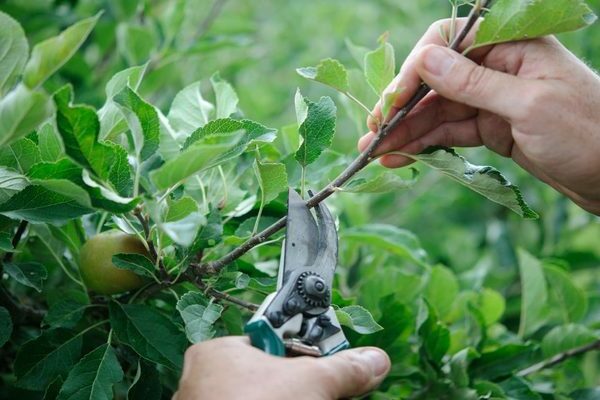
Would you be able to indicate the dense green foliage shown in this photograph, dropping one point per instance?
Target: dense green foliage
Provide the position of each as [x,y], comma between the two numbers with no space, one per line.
[113,116]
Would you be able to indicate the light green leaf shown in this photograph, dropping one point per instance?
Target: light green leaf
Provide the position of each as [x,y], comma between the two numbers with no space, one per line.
[65,188]
[49,143]
[201,155]
[511,20]
[184,231]
[534,294]
[93,377]
[6,326]
[11,182]
[14,51]
[358,319]
[225,96]
[20,155]
[487,181]
[142,119]
[136,263]
[130,77]
[357,52]
[491,305]
[329,72]
[180,208]
[272,179]
[31,274]
[571,300]
[380,67]
[67,310]
[41,360]
[389,238]
[199,316]
[22,111]
[441,290]
[189,111]
[255,132]
[567,337]
[136,43]
[389,99]
[51,54]
[382,183]
[149,333]
[317,130]
[79,128]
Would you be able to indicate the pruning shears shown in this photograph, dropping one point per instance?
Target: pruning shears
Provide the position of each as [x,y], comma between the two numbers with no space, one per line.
[297,319]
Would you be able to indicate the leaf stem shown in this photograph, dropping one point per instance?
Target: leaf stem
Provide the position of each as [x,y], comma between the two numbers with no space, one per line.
[358,164]
[15,242]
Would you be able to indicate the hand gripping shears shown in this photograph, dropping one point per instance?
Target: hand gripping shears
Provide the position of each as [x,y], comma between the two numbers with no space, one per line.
[298,318]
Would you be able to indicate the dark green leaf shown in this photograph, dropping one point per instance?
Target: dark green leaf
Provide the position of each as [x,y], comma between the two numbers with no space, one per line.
[20,155]
[358,319]
[519,388]
[49,143]
[136,263]
[317,128]
[14,51]
[567,337]
[486,181]
[30,274]
[329,72]
[434,336]
[67,310]
[146,384]
[459,365]
[511,20]
[93,377]
[41,360]
[6,326]
[6,243]
[199,316]
[149,333]
[253,131]
[51,54]
[503,361]
[210,234]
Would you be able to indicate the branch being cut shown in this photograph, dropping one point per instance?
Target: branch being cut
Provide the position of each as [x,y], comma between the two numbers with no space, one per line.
[358,164]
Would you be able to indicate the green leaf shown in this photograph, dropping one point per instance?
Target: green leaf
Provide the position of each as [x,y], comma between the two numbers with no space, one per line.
[41,360]
[519,388]
[317,129]
[329,72]
[130,77]
[146,384]
[503,361]
[571,301]
[199,316]
[272,179]
[14,51]
[200,156]
[567,337]
[380,67]
[441,290]
[389,238]
[225,96]
[135,42]
[210,234]
[434,336]
[486,181]
[381,183]
[6,326]
[459,364]
[6,242]
[50,146]
[534,294]
[189,111]
[511,20]
[22,111]
[51,54]
[79,127]
[254,131]
[67,310]
[93,377]
[20,155]
[11,182]
[491,305]
[149,333]
[136,263]
[31,274]
[142,119]
[180,208]
[389,99]
[358,319]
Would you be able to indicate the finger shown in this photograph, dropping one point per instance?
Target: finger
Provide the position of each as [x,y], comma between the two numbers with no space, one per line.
[408,79]
[353,372]
[425,118]
[457,78]
[451,134]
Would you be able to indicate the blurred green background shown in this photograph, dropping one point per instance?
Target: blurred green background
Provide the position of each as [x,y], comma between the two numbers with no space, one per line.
[257,45]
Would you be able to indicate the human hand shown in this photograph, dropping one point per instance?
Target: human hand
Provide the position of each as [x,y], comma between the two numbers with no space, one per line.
[533,101]
[229,368]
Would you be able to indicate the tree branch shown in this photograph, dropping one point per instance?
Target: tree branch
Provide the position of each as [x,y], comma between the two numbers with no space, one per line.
[358,164]
[224,296]
[15,242]
[559,358]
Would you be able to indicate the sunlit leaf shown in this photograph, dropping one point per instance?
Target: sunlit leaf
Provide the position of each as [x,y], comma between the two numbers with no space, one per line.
[14,51]
[358,319]
[380,67]
[226,98]
[329,72]
[317,130]
[199,316]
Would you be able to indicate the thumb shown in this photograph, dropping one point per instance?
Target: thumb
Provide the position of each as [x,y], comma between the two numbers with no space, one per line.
[354,372]
[457,78]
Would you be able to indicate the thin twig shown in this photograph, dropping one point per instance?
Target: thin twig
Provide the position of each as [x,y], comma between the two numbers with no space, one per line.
[15,242]
[224,296]
[559,358]
[358,164]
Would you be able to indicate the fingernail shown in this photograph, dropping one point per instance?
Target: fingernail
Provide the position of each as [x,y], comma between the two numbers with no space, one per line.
[438,61]
[377,360]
